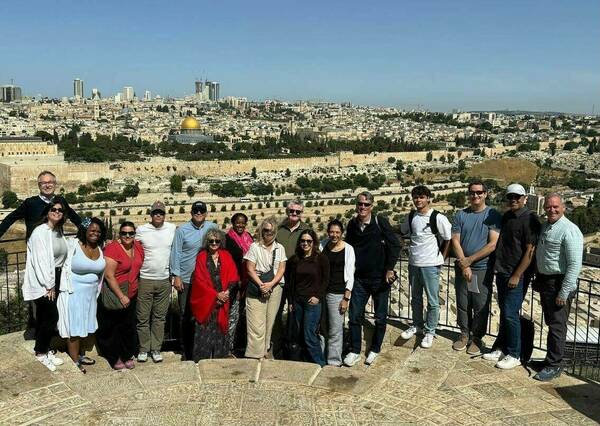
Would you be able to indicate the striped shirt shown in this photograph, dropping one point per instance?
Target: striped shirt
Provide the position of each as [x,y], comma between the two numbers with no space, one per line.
[560,251]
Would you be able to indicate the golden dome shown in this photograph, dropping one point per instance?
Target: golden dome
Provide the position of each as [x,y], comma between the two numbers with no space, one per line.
[190,123]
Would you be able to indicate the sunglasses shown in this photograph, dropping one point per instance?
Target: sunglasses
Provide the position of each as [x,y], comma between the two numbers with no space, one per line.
[197,212]
[158,213]
[511,197]
[294,211]
[214,241]
[56,210]
[359,204]
[309,242]
[267,232]
[473,193]
[127,233]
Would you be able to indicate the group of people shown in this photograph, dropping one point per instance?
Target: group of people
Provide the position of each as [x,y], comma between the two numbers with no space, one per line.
[233,289]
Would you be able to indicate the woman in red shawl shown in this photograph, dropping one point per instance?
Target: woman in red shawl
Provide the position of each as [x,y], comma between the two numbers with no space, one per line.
[215,278]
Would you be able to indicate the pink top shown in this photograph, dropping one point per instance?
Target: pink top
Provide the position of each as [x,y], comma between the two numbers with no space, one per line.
[128,269]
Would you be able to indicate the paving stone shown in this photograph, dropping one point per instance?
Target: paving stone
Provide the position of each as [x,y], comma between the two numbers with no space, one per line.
[228,369]
[288,371]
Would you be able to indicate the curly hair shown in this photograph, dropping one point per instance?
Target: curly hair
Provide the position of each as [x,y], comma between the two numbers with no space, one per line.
[81,232]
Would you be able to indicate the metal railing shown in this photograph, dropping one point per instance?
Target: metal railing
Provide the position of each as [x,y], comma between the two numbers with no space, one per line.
[582,352]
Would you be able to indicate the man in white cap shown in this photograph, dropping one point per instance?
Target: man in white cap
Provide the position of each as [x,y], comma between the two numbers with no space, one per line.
[154,285]
[515,250]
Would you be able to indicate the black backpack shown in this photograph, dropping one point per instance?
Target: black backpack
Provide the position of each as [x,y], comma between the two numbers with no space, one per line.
[432,225]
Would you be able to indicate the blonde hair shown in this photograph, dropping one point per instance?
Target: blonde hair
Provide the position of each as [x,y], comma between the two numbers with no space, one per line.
[271,220]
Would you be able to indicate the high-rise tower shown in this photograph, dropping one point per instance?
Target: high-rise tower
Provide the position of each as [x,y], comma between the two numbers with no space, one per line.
[78,89]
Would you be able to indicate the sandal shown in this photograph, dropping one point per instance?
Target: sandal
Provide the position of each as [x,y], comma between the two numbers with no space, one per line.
[86,360]
[81,367]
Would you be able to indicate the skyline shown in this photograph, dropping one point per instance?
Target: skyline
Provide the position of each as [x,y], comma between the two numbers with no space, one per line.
[509,55]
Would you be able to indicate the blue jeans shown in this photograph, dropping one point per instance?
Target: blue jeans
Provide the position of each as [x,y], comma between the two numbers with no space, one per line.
[425,278]
[363,289]
[510,301]
[308,318]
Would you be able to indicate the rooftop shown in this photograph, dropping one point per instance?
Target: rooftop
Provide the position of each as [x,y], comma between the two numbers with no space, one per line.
[406,384]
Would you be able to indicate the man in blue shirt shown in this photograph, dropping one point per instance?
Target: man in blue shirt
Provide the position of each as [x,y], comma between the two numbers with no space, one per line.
[186,245]
[559,256]
[474,235]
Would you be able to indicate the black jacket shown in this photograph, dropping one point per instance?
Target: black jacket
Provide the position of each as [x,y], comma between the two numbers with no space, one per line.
[31,210]
[377,248]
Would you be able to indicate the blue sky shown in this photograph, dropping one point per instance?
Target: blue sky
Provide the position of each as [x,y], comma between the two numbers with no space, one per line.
[439,54]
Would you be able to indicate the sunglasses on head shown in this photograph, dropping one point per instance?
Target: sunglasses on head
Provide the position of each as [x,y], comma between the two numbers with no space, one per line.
[127,233]
[512,197]
[158,212]
[56,210]
[471,193]
[360,204]
[294,211]
[212,241]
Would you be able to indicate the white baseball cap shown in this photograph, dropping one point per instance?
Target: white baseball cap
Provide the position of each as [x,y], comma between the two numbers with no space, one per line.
[515,188]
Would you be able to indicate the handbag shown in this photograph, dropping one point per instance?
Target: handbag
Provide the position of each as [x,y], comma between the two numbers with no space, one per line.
[254,288]
[109,299]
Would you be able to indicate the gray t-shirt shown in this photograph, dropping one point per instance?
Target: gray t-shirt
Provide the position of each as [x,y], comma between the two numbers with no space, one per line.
[474,229]
[59,248]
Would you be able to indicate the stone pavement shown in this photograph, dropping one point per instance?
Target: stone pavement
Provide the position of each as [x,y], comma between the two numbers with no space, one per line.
[405,385]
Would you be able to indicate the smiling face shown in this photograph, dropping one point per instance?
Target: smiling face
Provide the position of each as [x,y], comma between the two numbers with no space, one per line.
[126,235]
[306,244]
[55,214]
[554,209]
[294,213]
[157,218]
[239,226]
[421,202]
[334,233]
[92,234]
[477,197]
[47,185]
[268,233]
[515,201]
[363,208]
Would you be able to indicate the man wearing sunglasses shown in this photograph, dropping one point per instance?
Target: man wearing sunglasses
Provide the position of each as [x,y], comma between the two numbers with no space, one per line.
[474,235]
[515,250]
[186,245]
[154,286]
[377,249]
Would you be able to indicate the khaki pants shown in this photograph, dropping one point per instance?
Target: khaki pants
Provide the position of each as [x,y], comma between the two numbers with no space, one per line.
[260,317]
[151,310]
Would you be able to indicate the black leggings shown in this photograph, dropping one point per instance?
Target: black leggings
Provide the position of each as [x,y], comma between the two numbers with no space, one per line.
[117,335]
[46,318]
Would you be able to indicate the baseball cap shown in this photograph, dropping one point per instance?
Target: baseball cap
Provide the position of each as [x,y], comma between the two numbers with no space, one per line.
[515,188]
[157,205]
[199,207]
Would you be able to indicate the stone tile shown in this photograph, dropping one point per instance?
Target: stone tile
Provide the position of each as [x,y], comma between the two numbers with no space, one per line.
[228,369]
[287,371]
[346,380]
[155,375]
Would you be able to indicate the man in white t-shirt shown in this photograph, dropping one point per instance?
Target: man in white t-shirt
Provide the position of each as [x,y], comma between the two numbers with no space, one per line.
[154,287]
[430,234]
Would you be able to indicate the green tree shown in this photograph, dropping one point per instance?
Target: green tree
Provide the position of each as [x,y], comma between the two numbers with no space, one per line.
[190,191]
[253,174]
[131,191]
[9,200]
[429,156]
[175,184]
[552,147]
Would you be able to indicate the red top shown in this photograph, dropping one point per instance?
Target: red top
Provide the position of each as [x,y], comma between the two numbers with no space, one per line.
[203,298]
[128,269]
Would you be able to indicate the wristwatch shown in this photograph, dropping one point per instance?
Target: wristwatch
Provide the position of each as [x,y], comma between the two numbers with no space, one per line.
[347,299]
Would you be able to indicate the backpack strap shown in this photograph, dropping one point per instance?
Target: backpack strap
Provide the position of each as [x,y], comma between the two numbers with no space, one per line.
[433,222]
[411,216]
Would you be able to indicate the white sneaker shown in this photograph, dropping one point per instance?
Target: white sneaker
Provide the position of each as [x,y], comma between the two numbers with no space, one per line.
[142,357]
[54,359]
[371,357]
[496,355]
[508,362]
[351,359]
[156,356]
[46,361]
[410,332]
[427,341]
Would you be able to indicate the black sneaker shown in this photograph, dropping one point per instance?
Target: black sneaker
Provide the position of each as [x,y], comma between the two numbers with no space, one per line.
[548,373]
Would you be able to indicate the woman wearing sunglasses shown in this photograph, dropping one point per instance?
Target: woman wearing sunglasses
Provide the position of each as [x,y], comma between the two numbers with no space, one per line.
[215,278]
[46,254]
[116,335]
[309,278]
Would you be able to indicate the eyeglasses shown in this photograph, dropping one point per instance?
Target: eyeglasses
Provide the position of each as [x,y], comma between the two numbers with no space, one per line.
[511,197]
[127,233]
[214,241]
[473,193]
[56,210]
[294,211]
[359,204]
[158,213]
[46,182]
[303,241]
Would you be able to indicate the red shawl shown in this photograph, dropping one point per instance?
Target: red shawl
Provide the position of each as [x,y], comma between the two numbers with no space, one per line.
[203,299]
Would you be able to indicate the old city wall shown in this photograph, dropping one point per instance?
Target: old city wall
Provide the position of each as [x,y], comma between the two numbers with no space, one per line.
[21,178]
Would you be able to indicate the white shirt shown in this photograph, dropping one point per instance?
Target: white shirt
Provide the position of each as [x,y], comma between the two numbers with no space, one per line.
[157,249]
[424,250]
[262,257]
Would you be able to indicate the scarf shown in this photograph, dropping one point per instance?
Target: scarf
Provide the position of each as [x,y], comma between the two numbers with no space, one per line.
[203,298]
[243,241]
